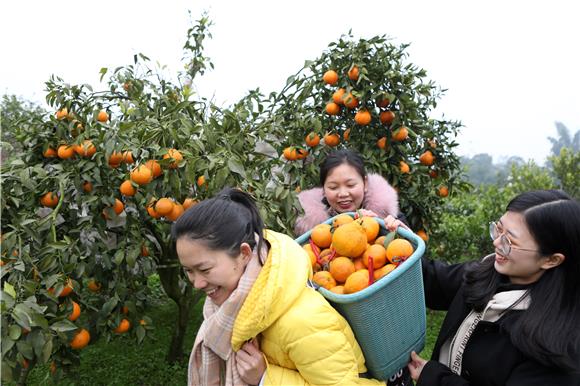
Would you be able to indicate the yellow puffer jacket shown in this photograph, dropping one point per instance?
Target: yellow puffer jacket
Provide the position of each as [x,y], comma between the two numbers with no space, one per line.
[304,340]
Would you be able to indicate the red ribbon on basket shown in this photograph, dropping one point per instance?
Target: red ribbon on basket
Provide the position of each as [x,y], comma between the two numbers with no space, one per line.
[371,266]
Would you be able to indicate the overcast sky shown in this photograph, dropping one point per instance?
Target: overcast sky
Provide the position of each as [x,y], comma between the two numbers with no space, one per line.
[511,68]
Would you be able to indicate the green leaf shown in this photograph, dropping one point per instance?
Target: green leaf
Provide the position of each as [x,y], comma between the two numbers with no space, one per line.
[46,351]
[236,167]
[21,315]
[119,256]
[140,331]
[63,326]
[110,305]
[103,71]
[9,289]
[14,332]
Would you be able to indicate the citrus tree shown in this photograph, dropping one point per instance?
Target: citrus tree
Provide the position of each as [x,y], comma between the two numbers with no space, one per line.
[88,203]
[362,94]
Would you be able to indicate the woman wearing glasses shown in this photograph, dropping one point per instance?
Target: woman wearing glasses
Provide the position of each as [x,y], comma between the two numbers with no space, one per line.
[512,318]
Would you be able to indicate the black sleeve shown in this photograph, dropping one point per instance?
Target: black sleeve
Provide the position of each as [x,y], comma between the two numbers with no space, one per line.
[441,281]
[435,373]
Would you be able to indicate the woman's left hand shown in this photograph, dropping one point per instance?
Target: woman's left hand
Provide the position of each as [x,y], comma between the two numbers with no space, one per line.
[250,363]
[416,365]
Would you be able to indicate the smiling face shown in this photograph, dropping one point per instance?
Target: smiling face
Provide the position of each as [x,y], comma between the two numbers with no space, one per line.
[520,266]
[213,271]
[344,188]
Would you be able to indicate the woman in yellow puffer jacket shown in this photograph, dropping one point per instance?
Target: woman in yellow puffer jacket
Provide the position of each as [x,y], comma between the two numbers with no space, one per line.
[262,324]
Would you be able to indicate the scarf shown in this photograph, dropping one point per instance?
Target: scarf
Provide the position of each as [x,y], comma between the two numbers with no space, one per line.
[212,345]
[452,351]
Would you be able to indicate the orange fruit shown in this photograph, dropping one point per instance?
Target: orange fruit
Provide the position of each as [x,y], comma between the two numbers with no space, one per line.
[387,117]
[76,312]
[382,143]
[330,77]
[332,108]
[339,289]
[125,310]
[443,191]
[427,158]
[310,253]
[80,340]
[201,181]
[362,117]
[65,152]
[94,286]
[144,250]
[349,240]
[141,175]
[331,139]
[189,202]
[377,274]
[85,149]
[398,250]
[377,253]
[128,157]
[175,155]
[338,95]
[340,268]
[350,101]
[49,153]
[358,264]
[290,153]
[422,234]
[118,206]
[62,114]
[381,240]
[164,206]
[53,367]
[353,73]
[115,158]
[341,219]
[49,200]
[312,139]
[404,167]
[356,282]
[123,326]
[176,212]
[371,227]
[155,168]
[321,235]
[301,153]
[383,102]
[127,188]
[401,134]
[433,173]
[324,279]
[142,322]
[102,116]
[152,212]
[346,135]
[67,289]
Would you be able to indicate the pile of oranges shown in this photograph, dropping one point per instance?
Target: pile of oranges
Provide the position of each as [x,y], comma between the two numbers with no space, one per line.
[349,255]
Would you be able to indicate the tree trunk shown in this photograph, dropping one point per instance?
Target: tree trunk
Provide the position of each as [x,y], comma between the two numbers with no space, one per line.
[182,297]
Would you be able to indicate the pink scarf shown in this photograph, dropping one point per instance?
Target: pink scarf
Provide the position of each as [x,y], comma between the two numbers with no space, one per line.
[212,348]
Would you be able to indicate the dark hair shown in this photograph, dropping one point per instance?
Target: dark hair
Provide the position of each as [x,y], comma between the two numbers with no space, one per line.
[548,330]
[338,157]
[223,222]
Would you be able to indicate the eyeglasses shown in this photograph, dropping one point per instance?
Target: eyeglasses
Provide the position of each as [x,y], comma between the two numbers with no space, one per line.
[505,244]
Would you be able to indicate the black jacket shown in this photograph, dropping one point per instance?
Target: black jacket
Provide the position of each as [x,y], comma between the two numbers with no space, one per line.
[490,358]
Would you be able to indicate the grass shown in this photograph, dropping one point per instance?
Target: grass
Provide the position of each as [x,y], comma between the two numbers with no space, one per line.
[124,362]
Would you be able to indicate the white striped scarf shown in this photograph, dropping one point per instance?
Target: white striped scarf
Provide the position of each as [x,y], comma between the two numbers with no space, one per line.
[213,341]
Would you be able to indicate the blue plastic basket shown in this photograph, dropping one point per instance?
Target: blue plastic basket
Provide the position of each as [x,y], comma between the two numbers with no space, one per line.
[388,317]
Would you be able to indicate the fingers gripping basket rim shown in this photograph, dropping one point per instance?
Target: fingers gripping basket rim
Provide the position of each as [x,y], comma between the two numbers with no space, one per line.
[378,314]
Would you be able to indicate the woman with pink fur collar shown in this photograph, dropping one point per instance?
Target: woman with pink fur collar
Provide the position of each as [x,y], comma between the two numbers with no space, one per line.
[345,187]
